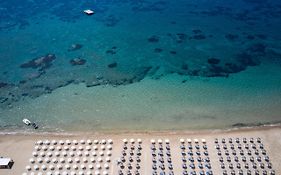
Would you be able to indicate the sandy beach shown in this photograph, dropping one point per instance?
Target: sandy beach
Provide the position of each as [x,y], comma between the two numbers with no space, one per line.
[20,146]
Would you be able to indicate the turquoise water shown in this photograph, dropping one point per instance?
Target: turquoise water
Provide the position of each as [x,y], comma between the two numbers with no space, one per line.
[140,64]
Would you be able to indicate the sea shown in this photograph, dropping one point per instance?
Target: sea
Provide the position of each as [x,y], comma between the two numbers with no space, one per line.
[139,65]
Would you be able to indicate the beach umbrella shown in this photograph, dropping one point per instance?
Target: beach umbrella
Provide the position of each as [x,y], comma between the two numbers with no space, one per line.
[59,166]
[47,160]
[49,154]
[110,141]
[167,141]
[75,142]
[75,167]
[97,172]
[51,148]
[88,148]
[92,160]
[71,154]
[96,141]
[69,160]
[108,153]
[57,173]
[95,147]
[101,153]
[68,142]
[160,141]
[54,142]
[66,148]
[103,141]
[39,142]
[64,153]
[36,167]
[81,173]
[86,153]
[61,142]
[37,148]
[105,173]
[24,173]
[85,160]
[196,140]
[49,173]
[107,159]
[82,142]
[82,166]
[64,173]
[106,166]
[98,166]
[94,153]
[77,160]
[62,160]
[102,147]
[203,141]
[57,153]
[35,154]
[89,173]
[109,147]
[39,160]
[99,159]
[28,168]
[67,166]
[32,160]
[152,141]
[72,173]
[125,141]
[32,173]
[59,148]
[189,140]
[42,154]
[54,160]
[90,167]
[80,148]
[39,173]
[89,142]
[139,141]
[51,167]
[79,153]
[43,167]
[132,141]
[73,148]
[47,142]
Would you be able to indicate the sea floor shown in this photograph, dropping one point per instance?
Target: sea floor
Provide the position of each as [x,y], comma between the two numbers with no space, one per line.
[140,65]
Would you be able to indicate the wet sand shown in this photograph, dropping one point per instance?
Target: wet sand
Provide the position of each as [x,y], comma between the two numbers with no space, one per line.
[20,146]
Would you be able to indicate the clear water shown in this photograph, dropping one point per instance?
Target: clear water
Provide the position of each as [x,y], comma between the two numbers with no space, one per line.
[139,64]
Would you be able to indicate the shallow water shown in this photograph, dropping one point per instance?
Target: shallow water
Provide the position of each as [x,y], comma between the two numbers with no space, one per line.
[140,65]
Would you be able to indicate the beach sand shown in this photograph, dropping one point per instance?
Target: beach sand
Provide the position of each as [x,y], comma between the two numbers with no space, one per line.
[20,146]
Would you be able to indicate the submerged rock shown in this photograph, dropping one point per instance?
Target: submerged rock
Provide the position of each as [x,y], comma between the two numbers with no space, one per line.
[158,50]
[213,61]
[199,37]
[77,61]
[74,47]
[41,62]
[153,39]
[2,84]
[112,65]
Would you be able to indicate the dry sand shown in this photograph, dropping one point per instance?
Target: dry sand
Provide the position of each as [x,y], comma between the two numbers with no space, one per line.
[20,146]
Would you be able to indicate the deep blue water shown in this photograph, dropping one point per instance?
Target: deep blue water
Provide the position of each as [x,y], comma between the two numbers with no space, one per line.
[48,44]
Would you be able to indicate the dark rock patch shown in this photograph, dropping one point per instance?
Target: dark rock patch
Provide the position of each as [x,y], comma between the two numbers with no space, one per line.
[231,37]
[173,52]
[258,48]
[199,37]
[247,60]
[197,31]
[77,61]
[43,62]
[112,65]
[158,50]
[153,39]
[2,84]
[184,66]
[111,51]
[213,61]
[74,47]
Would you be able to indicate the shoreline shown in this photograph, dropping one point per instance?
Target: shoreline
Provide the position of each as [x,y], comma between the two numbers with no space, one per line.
[171,132]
